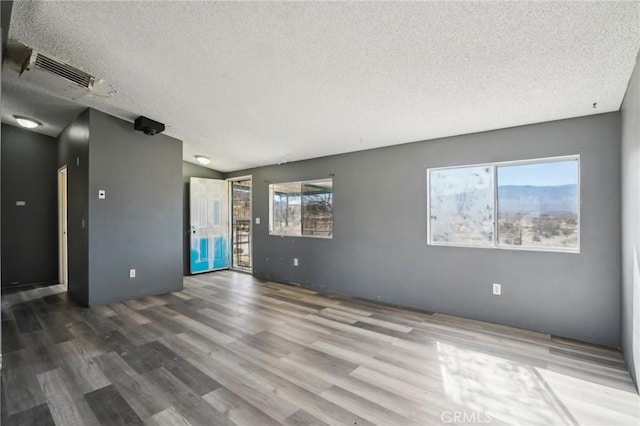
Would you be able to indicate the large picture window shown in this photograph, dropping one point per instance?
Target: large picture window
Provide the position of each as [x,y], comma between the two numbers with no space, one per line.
[302,209]
[532,204]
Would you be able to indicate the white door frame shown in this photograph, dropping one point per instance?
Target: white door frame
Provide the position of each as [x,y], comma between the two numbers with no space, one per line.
[231,180]
[63,233]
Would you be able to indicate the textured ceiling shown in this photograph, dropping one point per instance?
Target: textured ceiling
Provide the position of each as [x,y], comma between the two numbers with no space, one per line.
[251,84]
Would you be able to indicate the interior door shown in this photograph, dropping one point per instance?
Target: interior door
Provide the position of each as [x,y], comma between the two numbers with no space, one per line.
[209,212]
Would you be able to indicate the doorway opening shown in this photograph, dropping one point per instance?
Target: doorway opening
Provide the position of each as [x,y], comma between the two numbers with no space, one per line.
[241,235]
[63,259]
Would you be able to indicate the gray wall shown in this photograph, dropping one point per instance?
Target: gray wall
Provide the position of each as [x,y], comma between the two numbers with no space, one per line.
[190,170]
[29,233]
[630,117]
[380,250]
[73,151]
[139,224]
[5,19]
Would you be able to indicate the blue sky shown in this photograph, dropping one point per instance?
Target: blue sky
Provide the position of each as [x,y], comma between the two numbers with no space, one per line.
[554,173]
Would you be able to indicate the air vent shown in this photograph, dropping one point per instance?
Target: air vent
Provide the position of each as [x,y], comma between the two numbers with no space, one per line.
[63,70]
[59,77]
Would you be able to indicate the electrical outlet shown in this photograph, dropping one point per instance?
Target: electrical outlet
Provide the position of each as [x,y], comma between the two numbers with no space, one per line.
[257,221]
[497,289]
[132,273]
[295,261]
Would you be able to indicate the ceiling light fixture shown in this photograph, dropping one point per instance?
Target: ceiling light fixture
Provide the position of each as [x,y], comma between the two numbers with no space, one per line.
[203,160]
[27,123]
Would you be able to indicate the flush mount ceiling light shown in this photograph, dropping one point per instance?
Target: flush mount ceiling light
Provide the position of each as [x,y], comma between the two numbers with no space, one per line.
[202,159]
[27,122]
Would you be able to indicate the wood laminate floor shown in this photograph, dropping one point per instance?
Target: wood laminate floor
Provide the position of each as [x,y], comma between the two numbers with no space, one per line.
[232,350]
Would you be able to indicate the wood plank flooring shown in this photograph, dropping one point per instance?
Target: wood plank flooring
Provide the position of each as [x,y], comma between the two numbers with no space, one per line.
[229,349]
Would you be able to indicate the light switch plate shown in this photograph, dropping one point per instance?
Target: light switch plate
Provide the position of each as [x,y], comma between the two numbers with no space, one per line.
[102,194]
[257,221]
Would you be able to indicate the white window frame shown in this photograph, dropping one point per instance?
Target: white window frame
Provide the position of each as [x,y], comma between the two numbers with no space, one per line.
[301,182]
[495,166]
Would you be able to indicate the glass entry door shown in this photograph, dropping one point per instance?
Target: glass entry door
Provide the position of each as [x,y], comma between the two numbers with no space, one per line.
[241,223]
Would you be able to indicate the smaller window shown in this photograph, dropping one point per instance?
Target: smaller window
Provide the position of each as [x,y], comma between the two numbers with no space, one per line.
[302,208]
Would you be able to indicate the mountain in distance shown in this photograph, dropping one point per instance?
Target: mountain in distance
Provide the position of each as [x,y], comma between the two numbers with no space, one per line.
[559,200]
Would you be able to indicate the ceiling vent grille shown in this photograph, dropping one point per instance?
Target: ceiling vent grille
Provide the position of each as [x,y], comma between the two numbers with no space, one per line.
[59,77]
[63,70]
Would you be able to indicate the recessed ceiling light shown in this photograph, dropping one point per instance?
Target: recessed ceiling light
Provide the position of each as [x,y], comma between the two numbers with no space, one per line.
[202,159]
[27,122]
